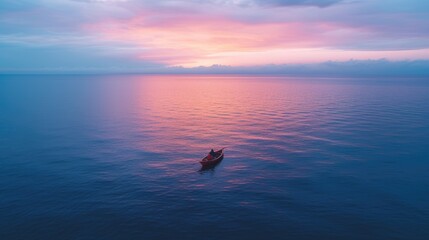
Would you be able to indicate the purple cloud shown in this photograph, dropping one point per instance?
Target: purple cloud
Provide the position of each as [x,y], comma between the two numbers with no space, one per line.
[317,3]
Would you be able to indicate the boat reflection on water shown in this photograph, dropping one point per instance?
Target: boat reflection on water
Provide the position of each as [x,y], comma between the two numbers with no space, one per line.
[210,168]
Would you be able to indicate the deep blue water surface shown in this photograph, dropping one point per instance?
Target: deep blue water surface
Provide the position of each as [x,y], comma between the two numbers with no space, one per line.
[116,157]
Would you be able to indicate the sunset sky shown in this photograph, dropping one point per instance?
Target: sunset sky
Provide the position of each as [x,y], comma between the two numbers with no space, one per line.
[130,35]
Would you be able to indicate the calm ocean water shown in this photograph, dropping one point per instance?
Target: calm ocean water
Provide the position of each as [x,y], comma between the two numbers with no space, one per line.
[116,157]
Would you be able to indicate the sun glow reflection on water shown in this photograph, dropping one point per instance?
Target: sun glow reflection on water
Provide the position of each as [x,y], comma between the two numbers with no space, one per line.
[304,157]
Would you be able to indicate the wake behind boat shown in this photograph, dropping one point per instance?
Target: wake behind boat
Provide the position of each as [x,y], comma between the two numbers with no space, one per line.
[212,158]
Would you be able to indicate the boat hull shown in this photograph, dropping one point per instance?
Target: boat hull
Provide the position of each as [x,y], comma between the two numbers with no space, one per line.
[209,163]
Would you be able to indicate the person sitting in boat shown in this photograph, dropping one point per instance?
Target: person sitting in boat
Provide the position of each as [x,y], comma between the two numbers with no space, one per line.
[212,153]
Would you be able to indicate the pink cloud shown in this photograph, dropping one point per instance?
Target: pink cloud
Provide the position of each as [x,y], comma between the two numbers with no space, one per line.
[193,37]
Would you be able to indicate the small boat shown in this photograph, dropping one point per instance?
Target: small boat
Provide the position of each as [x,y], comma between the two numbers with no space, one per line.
[206,162]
